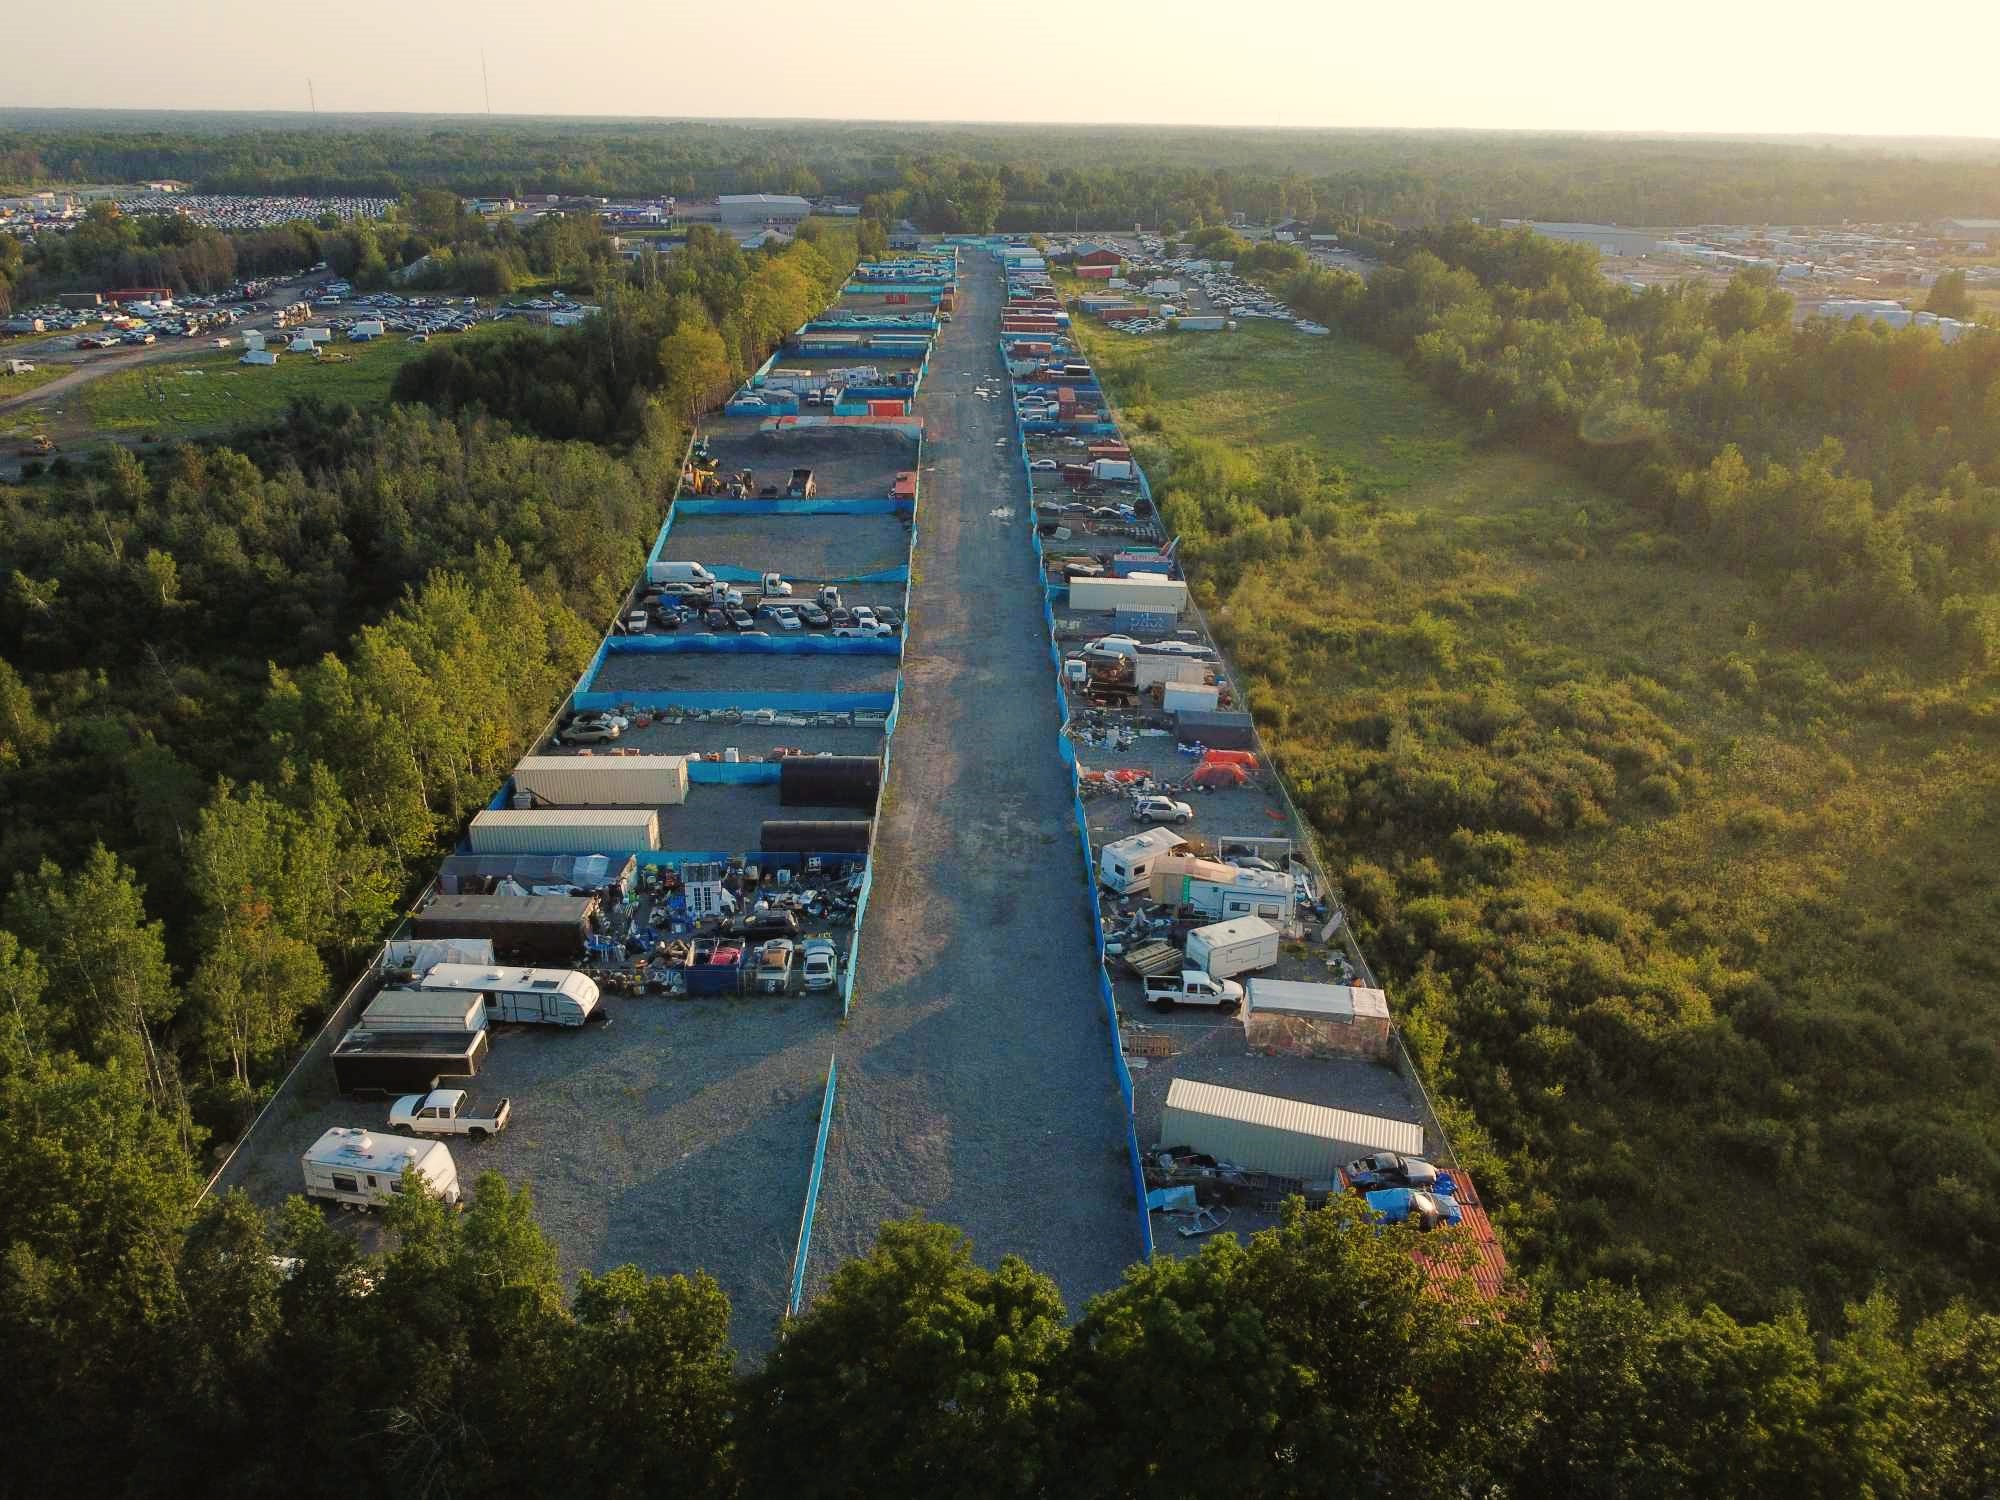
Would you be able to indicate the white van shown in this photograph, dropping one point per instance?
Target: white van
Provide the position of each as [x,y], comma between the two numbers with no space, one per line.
[361,1169]
[678,572]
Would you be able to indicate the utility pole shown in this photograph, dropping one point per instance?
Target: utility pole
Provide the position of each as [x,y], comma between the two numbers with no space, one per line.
[483,81]
[311,97]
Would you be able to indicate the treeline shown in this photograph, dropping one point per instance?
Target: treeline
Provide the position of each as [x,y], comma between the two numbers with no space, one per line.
[108,249]
[1028,177]
[245,695]
[1856,466]
[239,1358]
[682,333]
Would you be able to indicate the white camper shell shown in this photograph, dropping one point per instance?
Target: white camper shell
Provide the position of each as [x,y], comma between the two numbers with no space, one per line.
[552,997]
[363,1169]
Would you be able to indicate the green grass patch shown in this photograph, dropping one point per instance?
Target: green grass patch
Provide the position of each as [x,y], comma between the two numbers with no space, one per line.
[214,391]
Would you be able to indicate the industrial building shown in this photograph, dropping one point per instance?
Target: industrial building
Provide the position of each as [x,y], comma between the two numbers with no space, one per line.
[762,208]
[1606,239]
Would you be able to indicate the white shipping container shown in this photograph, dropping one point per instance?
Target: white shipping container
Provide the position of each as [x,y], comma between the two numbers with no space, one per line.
[1177,697]
[576,830]
[604,780]
[1147,591]
[1264,1133]
[1150,669]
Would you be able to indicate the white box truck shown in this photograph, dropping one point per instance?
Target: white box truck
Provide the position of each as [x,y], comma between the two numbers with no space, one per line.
[403,1009]
[1241,945]
[553,997]
[361,1169]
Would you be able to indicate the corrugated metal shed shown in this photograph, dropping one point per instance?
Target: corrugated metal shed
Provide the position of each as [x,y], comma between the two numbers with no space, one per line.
[604,780]
[574,830]
[1285,1136]
[1341,1002]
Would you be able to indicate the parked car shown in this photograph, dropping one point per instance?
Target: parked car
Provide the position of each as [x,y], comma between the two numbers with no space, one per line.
[1387,1169]
[785,617]
[1045,465]
[448,1112]
[774,922]
[813,615]
[857,631]
[774,966]
[1162,810]
[588,734]
[740,618]
[636,622]
[821,966]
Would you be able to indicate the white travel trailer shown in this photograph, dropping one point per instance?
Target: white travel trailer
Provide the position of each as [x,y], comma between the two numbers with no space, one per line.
[557,997]
[363,1169]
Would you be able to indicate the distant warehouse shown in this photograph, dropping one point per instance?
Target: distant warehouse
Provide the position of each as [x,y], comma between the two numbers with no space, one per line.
[762,208]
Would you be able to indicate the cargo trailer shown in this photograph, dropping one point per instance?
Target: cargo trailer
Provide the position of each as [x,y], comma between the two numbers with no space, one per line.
[545,927]
[548,997]
[825,836]
[556,781]
[573,830]
[1286,1137]
[1222,950]
[400,1009]
[1126,865]
[405,1062]
[1218,731]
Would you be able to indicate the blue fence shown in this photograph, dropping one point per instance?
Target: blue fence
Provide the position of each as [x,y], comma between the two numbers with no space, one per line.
[712,505]
[812,1189]
[711,699]
[733,773]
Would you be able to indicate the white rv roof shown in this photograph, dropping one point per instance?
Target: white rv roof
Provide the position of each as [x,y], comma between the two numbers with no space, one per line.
[1137,845]
[355,1146]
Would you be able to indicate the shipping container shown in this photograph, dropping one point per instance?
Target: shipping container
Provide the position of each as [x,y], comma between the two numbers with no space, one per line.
[1263,1133]
[413,1010]
[1147,591]
[825,836]
[604,780]
[1222,731]
[529,927]
[1304,1019]
[576,830]
[888,408]
[1151,669]
[829,781]
[560,874]
[1223,950]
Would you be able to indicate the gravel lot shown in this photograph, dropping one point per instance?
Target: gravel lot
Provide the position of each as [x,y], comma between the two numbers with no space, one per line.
[702,671]
[729,819]
[1252,811]
[813,548]
[677,1138]
[752,741]
[847,464]
[976,1086]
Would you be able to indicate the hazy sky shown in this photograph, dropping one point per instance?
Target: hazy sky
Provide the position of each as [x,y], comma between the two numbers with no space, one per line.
[1696,65]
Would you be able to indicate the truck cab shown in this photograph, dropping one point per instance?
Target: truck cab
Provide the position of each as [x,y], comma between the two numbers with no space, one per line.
[801,486]
[1192,987]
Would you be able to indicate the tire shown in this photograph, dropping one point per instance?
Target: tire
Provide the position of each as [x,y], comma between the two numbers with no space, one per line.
[476,1134]
[1162,1004]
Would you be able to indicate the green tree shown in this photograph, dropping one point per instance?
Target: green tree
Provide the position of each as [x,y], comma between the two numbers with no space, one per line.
[916,1371]
[1951,298]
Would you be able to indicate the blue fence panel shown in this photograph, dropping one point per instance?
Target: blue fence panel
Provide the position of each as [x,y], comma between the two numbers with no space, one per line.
[749,701]
[877,505]
[812,1189]
[854,938]
[733,773]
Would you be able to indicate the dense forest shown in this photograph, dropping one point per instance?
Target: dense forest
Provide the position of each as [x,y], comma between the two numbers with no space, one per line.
[1662,776]
[1028,177]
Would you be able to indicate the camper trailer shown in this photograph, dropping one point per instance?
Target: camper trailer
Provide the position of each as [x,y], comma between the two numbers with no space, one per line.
[554,997]
[1125,866]
[362,1169]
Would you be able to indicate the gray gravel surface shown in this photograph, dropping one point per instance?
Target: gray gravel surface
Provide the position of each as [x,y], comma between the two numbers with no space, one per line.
[800,547]
[847,464]
[677,1138]
[716,672]
[728,819]
[751,741]
[976,1080]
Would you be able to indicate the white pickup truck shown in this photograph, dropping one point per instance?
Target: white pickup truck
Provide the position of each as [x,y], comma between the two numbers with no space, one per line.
[1192,987]
[448,1112]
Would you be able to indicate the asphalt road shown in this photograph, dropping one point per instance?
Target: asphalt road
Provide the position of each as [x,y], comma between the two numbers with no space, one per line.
[975,1075]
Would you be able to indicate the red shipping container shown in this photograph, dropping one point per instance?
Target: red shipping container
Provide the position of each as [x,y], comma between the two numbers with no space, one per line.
[887,408]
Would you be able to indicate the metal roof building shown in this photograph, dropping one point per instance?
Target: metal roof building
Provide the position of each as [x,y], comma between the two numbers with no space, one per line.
[1284,1136]
[762,208]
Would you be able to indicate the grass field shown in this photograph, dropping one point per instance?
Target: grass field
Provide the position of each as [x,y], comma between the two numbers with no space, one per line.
[210,392]
[1819,861]
[35,379]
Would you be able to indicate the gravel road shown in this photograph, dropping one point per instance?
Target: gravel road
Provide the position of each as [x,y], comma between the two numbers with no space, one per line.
[976,1082]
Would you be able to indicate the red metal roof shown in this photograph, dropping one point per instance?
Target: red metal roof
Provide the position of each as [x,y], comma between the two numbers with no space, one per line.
[1487,1263]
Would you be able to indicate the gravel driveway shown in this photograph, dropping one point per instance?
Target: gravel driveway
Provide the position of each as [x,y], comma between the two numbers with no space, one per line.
[975,1072]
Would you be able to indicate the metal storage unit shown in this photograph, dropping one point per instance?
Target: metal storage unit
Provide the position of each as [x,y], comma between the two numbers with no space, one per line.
[1189,697]
[405,1062]
[570,830]
[414,1010]
[1267,1134]
[551,927]
[826,836]
[1147,591]
[1305,1019]
[604,780]
[478,874]
[1219,731]
[829,781]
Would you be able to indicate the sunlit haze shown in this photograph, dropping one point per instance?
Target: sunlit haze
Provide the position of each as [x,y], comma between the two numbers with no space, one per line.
[1704,65]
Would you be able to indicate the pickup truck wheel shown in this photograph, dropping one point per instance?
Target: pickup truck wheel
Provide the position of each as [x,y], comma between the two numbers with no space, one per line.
[476,1133]
[1163,1005]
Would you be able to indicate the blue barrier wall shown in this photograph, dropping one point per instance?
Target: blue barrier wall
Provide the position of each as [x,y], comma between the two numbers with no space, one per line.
[712,505]
[733,773]
[804,1249]
[805,703]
